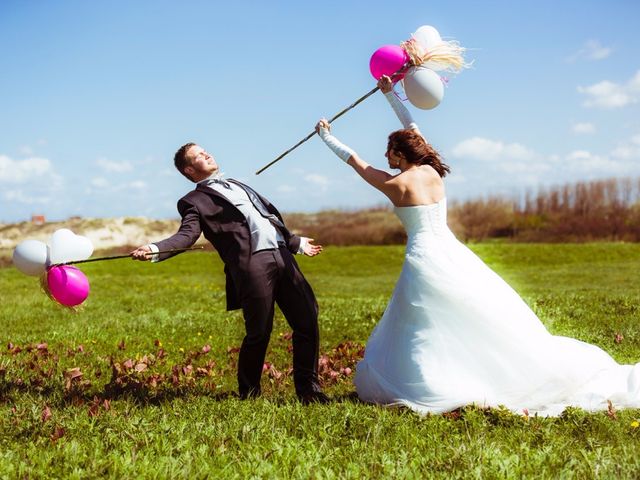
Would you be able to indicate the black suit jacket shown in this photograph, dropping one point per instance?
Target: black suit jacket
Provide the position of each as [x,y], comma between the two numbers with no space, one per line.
[204,210]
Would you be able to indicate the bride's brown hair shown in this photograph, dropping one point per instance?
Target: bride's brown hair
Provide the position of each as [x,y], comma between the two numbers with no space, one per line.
[415,149]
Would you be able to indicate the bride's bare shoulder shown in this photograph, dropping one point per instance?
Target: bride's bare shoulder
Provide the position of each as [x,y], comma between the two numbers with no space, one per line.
[424,173]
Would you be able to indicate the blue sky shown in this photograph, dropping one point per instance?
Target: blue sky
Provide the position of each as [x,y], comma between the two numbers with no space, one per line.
[95,97]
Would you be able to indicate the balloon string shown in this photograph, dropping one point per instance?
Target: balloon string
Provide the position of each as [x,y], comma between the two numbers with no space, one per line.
[397,95]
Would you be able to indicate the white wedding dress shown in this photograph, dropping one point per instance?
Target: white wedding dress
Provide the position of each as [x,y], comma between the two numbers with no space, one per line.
[455,334]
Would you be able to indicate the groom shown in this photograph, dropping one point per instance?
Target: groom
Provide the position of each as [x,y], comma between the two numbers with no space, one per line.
[256,248]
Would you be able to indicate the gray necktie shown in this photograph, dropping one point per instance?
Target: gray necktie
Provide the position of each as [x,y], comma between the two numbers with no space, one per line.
[220,181]
[257,203]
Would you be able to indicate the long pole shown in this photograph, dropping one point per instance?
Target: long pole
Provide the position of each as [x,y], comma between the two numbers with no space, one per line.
[115,257]
[364,97]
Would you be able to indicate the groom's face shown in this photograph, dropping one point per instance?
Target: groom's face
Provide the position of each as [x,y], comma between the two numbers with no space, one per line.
[201,164]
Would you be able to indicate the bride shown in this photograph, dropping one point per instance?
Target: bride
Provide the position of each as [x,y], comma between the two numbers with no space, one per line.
[454,333]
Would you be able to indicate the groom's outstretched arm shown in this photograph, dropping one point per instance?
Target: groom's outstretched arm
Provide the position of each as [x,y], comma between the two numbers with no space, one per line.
[187,235]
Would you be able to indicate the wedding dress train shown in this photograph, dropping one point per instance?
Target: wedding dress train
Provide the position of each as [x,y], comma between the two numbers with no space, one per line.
[455,334]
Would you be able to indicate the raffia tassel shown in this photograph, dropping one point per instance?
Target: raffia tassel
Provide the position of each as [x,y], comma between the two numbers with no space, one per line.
[448,56]
[414,50]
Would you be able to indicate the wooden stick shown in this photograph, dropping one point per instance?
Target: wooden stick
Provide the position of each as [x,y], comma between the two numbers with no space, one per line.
[115,257]
[364,97]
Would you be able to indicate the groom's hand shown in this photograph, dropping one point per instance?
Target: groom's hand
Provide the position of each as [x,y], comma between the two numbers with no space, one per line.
[311,250]
[141,253]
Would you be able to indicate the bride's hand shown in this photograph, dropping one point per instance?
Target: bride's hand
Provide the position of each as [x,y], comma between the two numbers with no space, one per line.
[385,84]
[322,123]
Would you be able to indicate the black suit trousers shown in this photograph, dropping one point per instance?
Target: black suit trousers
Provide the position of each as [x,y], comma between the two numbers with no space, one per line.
[275,278]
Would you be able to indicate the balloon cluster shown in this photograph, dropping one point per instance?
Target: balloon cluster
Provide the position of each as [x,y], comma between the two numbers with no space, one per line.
[65,284]
[415,63]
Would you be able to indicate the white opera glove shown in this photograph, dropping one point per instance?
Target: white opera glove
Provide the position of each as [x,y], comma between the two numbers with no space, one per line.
[339,148]
[402,112]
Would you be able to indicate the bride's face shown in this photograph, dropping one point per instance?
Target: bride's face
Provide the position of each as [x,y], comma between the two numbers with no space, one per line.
[393,158]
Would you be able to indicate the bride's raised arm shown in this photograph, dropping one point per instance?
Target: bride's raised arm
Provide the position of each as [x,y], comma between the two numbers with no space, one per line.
[379,179]
[386,87]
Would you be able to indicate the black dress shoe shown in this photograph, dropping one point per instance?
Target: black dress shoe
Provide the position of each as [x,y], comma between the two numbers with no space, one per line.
[314,397]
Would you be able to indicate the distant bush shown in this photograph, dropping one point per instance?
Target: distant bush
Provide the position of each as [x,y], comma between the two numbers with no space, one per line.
[480,219]
[584,211]
[579,212]
[376,226]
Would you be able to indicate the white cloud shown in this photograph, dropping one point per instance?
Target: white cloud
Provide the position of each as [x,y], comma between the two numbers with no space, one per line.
[592,50]
[586,162]
[25,150]
[19,171]
[609,95]
[128,187]
[624,152]
[19,196]
[100,182]
[150,160]
[578,155]
[595,51]
[478,148]
[456,178]
[634,83]
[316,184]
[606,94]
[500,172]
[529,168]
[286,189]
[629,150]
[317,179]
[584,128]
[111,166]
[501,164]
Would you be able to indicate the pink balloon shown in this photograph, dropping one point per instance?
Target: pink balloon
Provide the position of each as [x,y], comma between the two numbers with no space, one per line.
[387,60]
[68,285]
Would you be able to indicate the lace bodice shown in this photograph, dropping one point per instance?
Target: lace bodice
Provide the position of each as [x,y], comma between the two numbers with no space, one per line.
[430,218]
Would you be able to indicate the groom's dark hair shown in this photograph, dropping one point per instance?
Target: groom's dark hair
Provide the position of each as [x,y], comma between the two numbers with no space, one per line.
[180,158]
[415,149]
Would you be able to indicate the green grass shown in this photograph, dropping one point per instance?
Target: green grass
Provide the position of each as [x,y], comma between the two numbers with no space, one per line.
[176,417]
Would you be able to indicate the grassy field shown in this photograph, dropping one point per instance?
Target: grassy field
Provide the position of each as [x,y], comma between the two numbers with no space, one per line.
[139,382]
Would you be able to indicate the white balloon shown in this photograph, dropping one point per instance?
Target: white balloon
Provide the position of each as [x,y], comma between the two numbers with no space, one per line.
[31,257]
[423,87]
[427,37]
[66,246]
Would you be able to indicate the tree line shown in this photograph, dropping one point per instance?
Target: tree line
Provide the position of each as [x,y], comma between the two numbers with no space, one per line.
[582,211]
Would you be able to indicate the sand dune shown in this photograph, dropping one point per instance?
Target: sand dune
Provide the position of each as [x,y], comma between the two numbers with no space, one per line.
[105,233]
